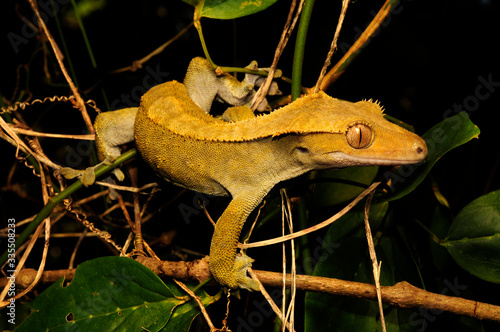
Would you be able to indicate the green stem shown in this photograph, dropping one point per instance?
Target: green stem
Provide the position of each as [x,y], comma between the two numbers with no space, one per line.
[300,44]
[245,70]
[197,25]
[55,200]
[84,33]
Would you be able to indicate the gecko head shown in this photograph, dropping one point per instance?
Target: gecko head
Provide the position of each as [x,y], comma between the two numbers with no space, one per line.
[361,136]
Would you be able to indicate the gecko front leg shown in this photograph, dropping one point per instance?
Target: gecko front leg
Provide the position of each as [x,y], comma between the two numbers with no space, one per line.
[113,129]
[227,268]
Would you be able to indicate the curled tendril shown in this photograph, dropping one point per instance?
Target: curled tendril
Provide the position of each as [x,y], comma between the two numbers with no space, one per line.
[23,105]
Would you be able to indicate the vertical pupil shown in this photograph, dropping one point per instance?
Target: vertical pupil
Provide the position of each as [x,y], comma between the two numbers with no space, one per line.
[359,136]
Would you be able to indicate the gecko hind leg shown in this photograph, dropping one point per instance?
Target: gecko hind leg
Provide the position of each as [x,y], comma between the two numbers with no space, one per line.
[228,268]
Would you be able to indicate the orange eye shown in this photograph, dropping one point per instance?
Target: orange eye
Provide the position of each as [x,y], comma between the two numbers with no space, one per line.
[359,136]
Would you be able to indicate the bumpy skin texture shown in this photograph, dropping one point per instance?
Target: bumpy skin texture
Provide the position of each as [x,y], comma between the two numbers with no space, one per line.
[246,158]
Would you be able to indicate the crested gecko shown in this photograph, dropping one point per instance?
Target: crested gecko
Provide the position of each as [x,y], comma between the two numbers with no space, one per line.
[246,156]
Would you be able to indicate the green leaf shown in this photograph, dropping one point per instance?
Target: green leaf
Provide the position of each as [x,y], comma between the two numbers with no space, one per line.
[443,137]
[474,237]
[110,294]
[229,9]
[340,189]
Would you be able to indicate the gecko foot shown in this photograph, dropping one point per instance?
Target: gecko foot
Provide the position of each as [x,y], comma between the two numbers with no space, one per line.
[234,274]
[87,176]
[241,265]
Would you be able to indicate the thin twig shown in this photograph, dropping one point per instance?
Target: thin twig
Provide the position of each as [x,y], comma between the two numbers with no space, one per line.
[285,36]
[79,103]
[130,237]
[287,214]
[315,227]
[373,256]
[39,134]
[77,245]
[200,304]
[137,64]
[333,46]
[269,299]
[256,219]
[126,188]
[21,145]
[205,211]
[121,202]
[151,251]
[138,241]
[339,68]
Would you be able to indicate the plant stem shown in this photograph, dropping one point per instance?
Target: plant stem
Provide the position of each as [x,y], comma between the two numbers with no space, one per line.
[300,44]
[197,25]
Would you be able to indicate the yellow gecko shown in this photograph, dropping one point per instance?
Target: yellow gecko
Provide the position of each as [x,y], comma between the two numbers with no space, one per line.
[245,158]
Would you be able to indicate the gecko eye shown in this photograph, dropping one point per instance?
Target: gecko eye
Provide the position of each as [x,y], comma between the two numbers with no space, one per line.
[359,136]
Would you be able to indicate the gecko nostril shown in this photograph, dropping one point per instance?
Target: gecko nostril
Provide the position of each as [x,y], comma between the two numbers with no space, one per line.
[420,150]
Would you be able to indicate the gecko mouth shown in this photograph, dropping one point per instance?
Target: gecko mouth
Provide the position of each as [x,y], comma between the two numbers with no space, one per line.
[366,161]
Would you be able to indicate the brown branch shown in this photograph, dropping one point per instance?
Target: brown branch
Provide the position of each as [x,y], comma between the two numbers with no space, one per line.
[27,276]
[402,294]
